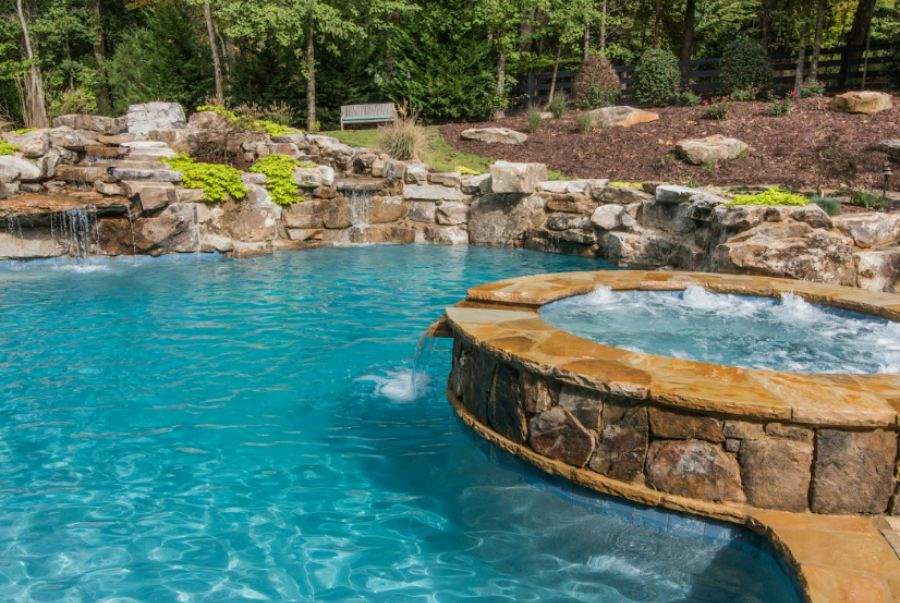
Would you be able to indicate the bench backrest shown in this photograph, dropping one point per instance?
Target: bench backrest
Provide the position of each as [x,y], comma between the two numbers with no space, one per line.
[385,111]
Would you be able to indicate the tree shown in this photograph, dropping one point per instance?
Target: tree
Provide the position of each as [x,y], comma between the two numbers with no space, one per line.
[855,39]
[687,40]
[35,107]
[214,52]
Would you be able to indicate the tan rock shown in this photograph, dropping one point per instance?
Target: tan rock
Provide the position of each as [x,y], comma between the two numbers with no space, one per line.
[620,116]
[308,214]
[743,430]
[878,270]
[503,219]
[711,149]
[446,235]
[865,101]
[870,229]
[452,213]
[622,445]
[775,473]
[853,471]
[337,213]
[694,468]
[383,209]
[557,434]
[679,425]
[571,204]
[523,178]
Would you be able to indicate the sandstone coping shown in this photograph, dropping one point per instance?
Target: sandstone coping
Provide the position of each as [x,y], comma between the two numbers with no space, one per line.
[502,317]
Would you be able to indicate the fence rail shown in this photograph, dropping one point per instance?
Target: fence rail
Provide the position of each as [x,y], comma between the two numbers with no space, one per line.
[877,64]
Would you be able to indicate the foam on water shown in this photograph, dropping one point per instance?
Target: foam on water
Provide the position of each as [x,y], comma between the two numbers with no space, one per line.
[786,333]
[399,385]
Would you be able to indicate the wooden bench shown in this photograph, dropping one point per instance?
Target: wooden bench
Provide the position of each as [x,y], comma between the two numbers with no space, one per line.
[371,113]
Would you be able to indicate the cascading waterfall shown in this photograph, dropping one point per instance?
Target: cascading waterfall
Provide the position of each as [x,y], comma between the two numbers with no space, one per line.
[78,228]
[14,226]
[359,204]
[195,232]
[131,225]
[424,348]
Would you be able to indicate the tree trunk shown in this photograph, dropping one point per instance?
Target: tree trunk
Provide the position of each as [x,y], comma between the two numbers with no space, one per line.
[500,110]
[763,16]
[214,51]
[817,41]
[555,73]
[603,28]
[855,39]
[687,40]
[798,73]
[657,22]
[104,98]
[586,43]
[35,106]
[311,124]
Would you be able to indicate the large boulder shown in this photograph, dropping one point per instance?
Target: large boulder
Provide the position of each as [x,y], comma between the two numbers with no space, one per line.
[524,178]
[314,177]
[504,219]
[255,218]
[878,270]
[92,123]
[711,149]
[865,101]
[432,192]
[891,146]
[145,117]
[13,167]
[871,229]
[694,468]
[788,249]
[494,135]
[620,116]
[33,143]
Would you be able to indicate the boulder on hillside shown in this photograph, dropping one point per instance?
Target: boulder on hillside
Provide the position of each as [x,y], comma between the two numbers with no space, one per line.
[891,146]
[864,101]
[620,116]
[494,135]
[92,123]
[711,149]
[524,178]
[33,143]
[144,117]
[870,229]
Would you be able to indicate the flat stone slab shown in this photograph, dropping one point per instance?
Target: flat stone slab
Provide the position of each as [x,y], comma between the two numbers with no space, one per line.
[494,135]
[32,205]
[711,149]
[432,192]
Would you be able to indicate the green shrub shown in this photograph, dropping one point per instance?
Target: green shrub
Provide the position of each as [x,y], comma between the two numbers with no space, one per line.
[597,84]
[686,98]
[403,139]
[744,66]
[744,94]
[79,100]
[812,88]
[279,172]
[771,196]
[656,77]
[831,206]
[557,105]
[7,148]
[218,182]
[779,107]
[868,200]
[717,111]
[534,119]
[585,122]
[247,122]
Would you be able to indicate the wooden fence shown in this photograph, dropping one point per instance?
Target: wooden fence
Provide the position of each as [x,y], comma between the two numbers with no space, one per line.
[877,65]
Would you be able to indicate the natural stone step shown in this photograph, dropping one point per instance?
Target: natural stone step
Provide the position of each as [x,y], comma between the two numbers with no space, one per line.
[36,205]
[103,151]
[82,173]
[128,173]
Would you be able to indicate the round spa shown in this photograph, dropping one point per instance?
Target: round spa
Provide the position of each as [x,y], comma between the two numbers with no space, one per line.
[717,394]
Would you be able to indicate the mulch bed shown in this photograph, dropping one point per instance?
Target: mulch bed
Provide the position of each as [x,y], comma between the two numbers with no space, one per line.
[783,150]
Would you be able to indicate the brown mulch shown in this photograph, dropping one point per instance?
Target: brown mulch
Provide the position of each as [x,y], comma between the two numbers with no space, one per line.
[783,150]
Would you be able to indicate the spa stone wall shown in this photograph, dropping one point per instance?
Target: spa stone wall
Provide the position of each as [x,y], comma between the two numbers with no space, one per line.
[707,457]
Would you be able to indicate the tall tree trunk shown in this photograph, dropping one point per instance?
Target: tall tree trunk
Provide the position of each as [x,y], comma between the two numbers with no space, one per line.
[586,43]
[657,22]
[35,106]
[214,51]
[500,111]
[817,40]
[855,39]
[311,124]
[603,14]
[763,16]
[104,98]
[798,73]
[687,39]
[555,73]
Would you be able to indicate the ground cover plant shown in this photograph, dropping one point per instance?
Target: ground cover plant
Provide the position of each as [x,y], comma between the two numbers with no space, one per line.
[219,182]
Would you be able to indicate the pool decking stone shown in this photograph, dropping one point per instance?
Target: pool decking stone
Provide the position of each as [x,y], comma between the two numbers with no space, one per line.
[810,460]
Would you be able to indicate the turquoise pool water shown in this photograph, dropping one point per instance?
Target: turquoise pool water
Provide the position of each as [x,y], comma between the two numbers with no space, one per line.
[201,429]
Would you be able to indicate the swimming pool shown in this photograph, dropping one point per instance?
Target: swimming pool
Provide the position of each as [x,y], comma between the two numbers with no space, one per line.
[196,428]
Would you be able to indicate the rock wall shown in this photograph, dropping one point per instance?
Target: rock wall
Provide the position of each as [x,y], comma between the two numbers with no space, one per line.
[111,169]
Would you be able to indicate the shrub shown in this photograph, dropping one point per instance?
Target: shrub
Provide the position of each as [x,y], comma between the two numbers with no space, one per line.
[279,172]
[534,119]
[811,88]
[779,107]
[686,98]
[79,100]
[744,94]
[717,111]
[771,196]
[585,122]
[868,200]
[597,84]
[279,113]
[656,77]
[403,139]
[744,66]
[831,206]
[245,121]
[7,148]
[557,105]
[218,182]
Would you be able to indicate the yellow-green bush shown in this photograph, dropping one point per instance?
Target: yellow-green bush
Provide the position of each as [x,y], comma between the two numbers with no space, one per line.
[771,196]
[7,148]
[279,172]
[258,125]
[218,182]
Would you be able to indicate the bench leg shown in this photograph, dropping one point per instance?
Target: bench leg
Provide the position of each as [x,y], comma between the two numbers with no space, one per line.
[342,125]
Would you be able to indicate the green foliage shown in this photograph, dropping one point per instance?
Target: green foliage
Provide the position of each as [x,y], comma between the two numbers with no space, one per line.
[534,119]
[7,148]
[811,89]
[744,94]
[744,66]
[597,84]
[656,77]
[869,200]
[218,182]
[779,107]
[771,196]
[245,122]
[585,122]
[79,100]
[831,206]
[279,172]
[717,111]
[21,131]
[558,105]
[686,98]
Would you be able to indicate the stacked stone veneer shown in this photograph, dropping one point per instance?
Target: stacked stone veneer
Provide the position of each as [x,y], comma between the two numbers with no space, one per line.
[707,457]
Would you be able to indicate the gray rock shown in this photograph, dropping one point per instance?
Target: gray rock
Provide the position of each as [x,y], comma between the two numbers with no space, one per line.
[710,149]
[694,468]
[608,217]
[422,211]
[504,219]
[494,135]
[144,117]
[622,445]
[446,235]
[31,144]
[313,177]
[523,178]
[13,167]
[878,270]
[92,123]
[870,229]
[674,193]
[159,175]
[452,213]
[432,192]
